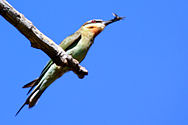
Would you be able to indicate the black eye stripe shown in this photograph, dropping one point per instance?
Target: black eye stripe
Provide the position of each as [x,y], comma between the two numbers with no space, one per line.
[93,21]
[98,21]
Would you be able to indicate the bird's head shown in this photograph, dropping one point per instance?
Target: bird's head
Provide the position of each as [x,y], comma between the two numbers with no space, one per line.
[96,26]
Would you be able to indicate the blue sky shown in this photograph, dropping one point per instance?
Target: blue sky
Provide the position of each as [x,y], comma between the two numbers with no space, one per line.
[138,67]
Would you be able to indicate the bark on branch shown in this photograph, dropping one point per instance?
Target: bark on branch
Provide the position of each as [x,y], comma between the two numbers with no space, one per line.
[39,40]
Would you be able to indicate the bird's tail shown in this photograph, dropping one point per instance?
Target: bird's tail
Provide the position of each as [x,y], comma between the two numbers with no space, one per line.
[33,97]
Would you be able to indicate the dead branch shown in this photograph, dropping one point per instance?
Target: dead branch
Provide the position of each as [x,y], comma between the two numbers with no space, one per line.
[39,40]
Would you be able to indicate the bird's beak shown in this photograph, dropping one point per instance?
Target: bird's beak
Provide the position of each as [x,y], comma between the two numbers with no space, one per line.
[116,18]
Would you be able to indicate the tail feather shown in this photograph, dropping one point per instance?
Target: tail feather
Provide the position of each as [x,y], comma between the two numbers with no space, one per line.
[32,99]
[31,89]
[30,84]
[35,97]
[20,109]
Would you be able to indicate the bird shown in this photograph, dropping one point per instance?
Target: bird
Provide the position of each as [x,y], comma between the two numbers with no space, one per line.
[76,45]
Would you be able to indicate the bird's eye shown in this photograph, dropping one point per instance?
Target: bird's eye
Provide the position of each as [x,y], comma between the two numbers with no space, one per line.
[93,21]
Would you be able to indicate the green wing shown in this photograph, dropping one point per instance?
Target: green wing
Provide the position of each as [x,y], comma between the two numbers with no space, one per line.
[70,40]
[50,62]
[66,44]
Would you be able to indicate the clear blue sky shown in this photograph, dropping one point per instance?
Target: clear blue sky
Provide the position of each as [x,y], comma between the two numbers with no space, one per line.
[138,67]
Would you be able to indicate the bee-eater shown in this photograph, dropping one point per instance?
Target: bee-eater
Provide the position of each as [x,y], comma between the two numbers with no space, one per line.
[76,45]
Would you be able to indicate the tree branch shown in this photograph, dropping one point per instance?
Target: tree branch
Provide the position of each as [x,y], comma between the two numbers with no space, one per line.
[39,40]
